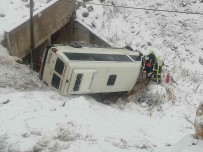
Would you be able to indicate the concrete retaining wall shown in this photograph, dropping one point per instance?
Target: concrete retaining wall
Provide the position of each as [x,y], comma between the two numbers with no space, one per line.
[46,23]
[84,33]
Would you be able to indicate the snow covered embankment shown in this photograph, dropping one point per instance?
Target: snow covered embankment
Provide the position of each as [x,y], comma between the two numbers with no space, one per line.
[18,76]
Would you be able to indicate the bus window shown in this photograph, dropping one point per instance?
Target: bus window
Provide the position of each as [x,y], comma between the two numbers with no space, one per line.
[97,57]
[55,81]
[111,80]
[77,82]
[59,66]
[135,57]
[121,58]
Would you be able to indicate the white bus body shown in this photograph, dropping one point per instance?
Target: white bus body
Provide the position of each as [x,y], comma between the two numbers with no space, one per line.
[85,70]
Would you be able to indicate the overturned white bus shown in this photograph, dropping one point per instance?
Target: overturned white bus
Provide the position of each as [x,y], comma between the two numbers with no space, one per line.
[86,70]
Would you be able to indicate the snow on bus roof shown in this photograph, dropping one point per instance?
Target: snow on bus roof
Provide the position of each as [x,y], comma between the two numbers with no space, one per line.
[96,50]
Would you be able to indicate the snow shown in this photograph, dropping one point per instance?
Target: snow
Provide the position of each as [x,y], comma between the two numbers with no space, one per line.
[90,29]
[35,118]
[85,121]
[18,12]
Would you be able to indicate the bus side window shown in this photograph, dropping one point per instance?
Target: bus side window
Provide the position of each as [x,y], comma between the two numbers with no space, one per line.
[55,81]
[59,66]
[111,80]
[77,82]
[135,57]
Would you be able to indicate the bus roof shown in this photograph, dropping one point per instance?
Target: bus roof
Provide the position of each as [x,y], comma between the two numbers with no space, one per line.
[95,50]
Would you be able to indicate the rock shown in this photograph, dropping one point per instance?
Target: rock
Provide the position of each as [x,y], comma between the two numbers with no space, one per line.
[183,4]
[198,124]
[25,135]
[90,8]
[5,102]
[93,25]
[113,3]
[82,4]
[194,1]
[149,43]
[174,47]
[2,15]
[201,60]
[85,14]
[36,133]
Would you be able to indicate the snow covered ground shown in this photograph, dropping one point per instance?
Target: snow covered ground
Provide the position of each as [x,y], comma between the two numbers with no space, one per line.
[35,119]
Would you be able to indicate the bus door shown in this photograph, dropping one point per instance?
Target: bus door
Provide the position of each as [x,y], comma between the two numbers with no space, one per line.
[81,81]
[54,73]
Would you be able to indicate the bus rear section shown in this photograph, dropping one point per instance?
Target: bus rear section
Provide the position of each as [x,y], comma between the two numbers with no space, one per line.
[54,70]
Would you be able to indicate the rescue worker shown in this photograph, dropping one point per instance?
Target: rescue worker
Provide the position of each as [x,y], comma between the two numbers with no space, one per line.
[152,57]
[158,69]
[149,64]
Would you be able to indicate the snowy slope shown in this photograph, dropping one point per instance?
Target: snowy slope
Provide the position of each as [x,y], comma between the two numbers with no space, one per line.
[33,118]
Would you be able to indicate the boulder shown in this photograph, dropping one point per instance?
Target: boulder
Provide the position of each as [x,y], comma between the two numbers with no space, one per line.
[198,124]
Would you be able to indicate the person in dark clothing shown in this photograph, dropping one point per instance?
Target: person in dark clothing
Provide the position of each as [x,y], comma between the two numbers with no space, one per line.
[150,60]
[148,68]
[158,69]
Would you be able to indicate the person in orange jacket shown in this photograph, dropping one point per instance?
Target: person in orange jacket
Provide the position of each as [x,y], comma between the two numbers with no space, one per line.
[150,60]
